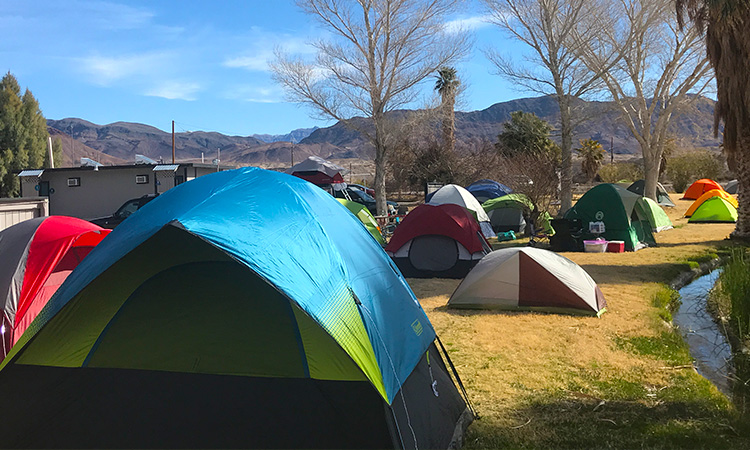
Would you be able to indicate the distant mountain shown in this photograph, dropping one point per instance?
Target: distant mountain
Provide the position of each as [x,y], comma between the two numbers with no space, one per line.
[294,136]
[120,142]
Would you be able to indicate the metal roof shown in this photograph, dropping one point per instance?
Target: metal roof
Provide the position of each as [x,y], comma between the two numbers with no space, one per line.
[167,167]
[31,173]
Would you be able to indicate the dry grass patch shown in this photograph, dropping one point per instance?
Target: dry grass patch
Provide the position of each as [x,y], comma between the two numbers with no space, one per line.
[619,381]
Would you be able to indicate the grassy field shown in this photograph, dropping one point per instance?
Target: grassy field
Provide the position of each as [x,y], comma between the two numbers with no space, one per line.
[624,380]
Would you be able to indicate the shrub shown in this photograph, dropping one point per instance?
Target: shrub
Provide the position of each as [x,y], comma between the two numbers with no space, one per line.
[685,168]
[617,172]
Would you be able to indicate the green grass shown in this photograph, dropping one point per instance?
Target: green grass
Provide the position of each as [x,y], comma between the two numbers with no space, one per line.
[667,301]
[667,346]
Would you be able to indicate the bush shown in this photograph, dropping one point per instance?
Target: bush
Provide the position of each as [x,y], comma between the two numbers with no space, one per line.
[620,172]
[685,168]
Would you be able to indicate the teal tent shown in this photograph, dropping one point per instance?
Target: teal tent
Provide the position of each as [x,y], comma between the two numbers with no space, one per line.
[242,309]
[623,213]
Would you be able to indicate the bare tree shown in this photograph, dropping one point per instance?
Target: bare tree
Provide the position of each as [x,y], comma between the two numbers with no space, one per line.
[663,70]
[377,55]
[548,27]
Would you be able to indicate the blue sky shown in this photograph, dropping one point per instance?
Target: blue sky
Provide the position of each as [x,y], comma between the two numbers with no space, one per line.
[202,64]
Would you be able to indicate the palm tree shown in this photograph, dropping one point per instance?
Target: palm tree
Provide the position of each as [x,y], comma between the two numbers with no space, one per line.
[447,86]
[592,155]
[725,24]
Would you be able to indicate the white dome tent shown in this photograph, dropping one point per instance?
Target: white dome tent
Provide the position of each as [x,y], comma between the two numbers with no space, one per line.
[532,279]
[451,193]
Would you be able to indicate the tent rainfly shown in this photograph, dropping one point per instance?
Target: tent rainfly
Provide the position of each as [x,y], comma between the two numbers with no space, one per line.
[662,196]
[484,190]
[451,193]
[624,214]
[437,241]
[365,216]
[243,309]
[715,209]
[731,187]
[709,194]
[36,256]
[527,278]
[699,187]
[656,216]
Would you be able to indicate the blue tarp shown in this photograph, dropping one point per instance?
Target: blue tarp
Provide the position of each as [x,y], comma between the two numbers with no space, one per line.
[296,236]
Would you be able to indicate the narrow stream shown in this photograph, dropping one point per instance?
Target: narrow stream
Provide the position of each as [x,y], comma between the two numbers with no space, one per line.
[708,346]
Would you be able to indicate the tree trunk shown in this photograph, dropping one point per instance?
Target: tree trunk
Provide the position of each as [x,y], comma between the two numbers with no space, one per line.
[742,170]
[650,172]
[566,170]
[381,163]
[449,125]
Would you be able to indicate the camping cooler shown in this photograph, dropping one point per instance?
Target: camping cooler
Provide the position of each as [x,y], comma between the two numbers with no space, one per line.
[616,246]
[595,246]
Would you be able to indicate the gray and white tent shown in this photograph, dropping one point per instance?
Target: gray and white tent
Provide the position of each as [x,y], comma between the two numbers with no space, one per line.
[532,279]
[662,196]
[457,195]
[731,187]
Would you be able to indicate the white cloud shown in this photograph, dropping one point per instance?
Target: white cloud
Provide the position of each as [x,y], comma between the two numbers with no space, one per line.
[467,24]
[104,70]
[175,90]
[255,94]
[257,62]
[258,59]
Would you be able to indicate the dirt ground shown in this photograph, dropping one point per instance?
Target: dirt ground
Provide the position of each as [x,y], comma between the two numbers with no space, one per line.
[508,358]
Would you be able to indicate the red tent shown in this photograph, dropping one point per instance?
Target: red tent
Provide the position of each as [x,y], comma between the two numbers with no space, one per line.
[36,256]
[437,241]
[699,188]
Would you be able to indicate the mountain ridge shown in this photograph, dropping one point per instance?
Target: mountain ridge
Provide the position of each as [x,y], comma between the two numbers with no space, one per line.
[119,141]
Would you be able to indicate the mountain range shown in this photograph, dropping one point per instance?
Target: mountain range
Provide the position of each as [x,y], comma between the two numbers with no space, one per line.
[119,142]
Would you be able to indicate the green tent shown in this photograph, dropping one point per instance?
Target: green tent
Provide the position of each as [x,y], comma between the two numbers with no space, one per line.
[518,202]
[715,209]
[624,214]
[656,216]
[364,216]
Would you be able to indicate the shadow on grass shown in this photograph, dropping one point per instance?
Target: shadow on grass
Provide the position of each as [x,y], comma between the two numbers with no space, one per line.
[648,273]
[592,423]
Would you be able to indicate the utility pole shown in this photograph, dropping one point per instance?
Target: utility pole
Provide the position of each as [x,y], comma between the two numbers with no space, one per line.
[611,149]
[173,142]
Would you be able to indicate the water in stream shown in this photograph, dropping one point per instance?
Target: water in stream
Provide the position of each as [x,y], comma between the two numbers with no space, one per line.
[708,346]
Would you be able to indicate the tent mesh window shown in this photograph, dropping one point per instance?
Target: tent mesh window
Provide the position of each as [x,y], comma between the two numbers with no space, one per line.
[433,252]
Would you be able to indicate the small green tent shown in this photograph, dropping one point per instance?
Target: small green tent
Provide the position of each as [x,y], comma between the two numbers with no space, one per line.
[623,213]
[656,216]
[715,209]
[364,216]
[518,202]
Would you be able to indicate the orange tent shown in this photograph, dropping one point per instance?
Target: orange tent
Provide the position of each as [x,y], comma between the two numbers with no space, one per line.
[712,193]
[699,188]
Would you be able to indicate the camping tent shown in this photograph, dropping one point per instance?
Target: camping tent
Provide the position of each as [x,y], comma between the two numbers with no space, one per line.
[504,213]
[656,216]
[715,209]
[662,197]
[529,278]
[318,171]
[442,241]
[699,188]
[731,187]
[365,216]
[485,190]
[242,309]
[709,194]
[451,193]
[624,214]
[36,256]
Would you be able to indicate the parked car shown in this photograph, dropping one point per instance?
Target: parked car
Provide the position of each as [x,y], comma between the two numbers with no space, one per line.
[369,191]
[123,212]
[359,196]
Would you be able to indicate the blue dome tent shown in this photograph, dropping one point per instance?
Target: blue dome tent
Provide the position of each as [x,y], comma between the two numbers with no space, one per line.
[245,308]
[485,189]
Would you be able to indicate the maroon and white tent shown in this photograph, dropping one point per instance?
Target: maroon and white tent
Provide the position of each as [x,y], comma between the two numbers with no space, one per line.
[527,278]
